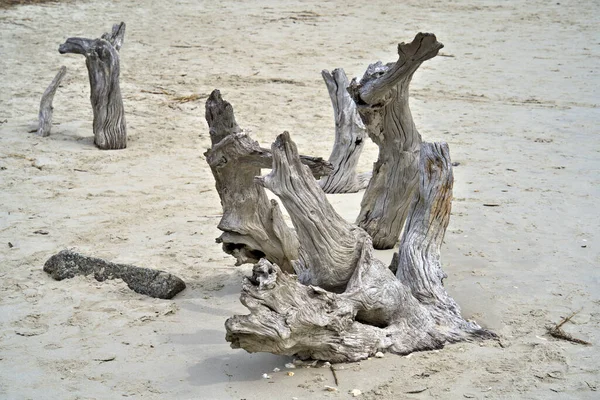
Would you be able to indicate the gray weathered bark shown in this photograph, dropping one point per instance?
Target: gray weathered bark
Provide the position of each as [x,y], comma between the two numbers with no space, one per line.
[103,64]
[382,102]
[330,246]
[221,121]
[253,227]
[150,282]
[374,310]
[46,109]
[350,136]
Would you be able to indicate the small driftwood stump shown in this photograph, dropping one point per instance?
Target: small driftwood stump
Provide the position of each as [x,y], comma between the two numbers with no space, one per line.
[150,282]
[103,64]
[382,102]
[350,136]
[345,305]
[252,225]
[46,109]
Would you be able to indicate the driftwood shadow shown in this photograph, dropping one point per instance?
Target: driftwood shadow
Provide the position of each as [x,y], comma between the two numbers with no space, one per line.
[234,367]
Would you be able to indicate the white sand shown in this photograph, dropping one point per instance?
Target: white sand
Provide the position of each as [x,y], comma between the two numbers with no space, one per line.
[517,102]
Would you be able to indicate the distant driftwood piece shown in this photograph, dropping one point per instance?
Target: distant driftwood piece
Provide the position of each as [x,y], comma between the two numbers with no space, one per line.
[150,282]
[46,109]
[368,309]
[381,97]
[350,134]
[103,64]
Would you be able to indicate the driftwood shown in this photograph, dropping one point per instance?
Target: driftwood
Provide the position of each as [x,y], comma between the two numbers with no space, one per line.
[221,122]
[318,291]
[150,282]
[359,306]
[252,225]
[103,64]
[46,109]
[382,102]
[557,332]
[350,134]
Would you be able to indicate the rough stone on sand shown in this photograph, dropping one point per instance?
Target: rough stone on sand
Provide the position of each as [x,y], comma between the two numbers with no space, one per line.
[150,282]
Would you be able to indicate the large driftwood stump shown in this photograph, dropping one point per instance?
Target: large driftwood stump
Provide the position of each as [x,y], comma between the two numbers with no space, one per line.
[46,109]
[382,102]
[150,282]
[349,305]
[103,64]
[252,225]
[350,136]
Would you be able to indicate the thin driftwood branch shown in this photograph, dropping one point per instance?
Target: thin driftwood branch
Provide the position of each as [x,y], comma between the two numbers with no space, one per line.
[557,332]
[46,109]
[103,64]
[117,36]
[350,134]
[150,282]
[381,97]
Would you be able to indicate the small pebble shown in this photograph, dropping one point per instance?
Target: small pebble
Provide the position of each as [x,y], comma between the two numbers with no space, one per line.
[290,373]
[330,389]
[355,392]
[265,376]
[326,364]
[379,354]
[276,370]
[290,365]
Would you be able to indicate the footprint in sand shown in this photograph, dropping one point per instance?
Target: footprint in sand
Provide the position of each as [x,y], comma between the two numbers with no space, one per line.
[31,325]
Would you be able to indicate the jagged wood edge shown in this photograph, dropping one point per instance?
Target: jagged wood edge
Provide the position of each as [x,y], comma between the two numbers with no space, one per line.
[253,226]
[382,99]
[350,134]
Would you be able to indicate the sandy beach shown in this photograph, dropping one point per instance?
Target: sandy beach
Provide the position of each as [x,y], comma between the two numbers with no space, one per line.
[514,93]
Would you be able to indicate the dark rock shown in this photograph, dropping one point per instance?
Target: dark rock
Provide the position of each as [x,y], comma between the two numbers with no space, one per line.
[151,282]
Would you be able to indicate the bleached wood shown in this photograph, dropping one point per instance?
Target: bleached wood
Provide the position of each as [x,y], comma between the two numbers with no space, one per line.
[330,246]
[374,310]
[46,108]
[103,64]
[252,225]
[221,121]
[350,134]
[382,102]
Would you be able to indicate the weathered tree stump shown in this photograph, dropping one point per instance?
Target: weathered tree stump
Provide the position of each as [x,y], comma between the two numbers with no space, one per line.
[46,109]
[349,141]
[150,282]
[346,305]
[381,97]
[103,64]
[252,225]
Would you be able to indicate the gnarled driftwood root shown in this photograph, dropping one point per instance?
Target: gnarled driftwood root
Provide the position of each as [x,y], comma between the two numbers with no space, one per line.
[359,306]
